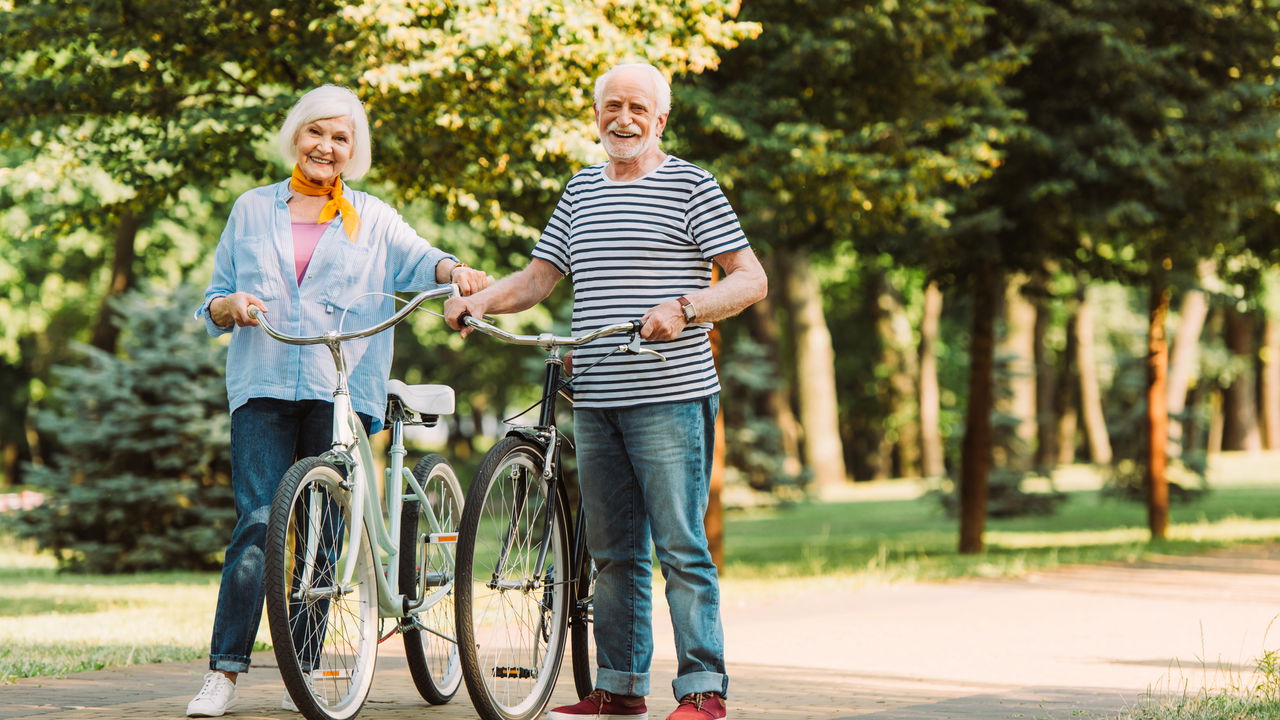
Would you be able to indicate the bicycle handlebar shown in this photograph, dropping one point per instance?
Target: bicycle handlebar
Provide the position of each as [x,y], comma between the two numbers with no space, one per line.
[334,336]
[548,340]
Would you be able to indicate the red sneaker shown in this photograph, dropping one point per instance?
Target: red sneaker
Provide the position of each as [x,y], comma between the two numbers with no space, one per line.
[700,706]
[602,705]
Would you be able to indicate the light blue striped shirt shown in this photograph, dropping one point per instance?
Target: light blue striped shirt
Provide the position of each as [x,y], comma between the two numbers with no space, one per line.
[255,255]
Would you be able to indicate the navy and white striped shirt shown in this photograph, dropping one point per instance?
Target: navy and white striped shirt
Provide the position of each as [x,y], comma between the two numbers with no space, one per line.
[628,246]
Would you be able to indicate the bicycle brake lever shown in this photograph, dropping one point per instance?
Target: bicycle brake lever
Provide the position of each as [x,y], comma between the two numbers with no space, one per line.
[634,348]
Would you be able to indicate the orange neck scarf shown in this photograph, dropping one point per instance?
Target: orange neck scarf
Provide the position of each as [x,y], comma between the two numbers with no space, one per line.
[337,203]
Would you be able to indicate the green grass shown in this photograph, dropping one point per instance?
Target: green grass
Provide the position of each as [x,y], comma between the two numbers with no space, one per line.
[1258,699]
[53,624]
[893,540]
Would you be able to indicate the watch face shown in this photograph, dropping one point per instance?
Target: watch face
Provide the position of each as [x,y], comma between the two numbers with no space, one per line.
[688,312]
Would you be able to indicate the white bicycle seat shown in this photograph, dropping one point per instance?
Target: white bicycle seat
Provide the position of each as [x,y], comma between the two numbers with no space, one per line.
[423,399]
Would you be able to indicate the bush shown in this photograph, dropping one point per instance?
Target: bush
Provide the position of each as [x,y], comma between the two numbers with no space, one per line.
[1005,496]
[138,475]
[1126,480]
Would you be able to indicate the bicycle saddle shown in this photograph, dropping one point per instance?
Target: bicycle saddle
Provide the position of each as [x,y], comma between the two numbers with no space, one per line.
[423,399]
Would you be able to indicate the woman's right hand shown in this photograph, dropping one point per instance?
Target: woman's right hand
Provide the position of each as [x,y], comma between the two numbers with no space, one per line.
[233,309]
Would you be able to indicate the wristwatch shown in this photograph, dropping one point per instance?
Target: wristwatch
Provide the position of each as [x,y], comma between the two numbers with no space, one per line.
[687,308]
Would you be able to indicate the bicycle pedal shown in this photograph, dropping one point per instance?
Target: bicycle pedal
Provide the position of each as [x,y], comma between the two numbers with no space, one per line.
[331,674]
[512,672]
[444,538]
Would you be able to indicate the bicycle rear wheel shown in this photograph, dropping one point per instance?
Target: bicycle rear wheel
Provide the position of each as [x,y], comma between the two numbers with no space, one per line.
[427,569]
[581,626]
[512,608]
[325,635]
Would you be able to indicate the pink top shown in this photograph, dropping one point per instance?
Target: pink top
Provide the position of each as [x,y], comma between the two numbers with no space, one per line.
[305,238]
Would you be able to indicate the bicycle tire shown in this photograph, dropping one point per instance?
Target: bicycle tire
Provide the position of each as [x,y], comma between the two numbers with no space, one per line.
[581,627]
[325,637]
[433,660]
[511,629]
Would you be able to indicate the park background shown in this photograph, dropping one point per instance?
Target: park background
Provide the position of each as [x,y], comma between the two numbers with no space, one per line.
[1024,307]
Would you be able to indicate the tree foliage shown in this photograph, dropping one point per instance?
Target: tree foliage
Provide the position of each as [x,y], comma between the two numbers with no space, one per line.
[140,479]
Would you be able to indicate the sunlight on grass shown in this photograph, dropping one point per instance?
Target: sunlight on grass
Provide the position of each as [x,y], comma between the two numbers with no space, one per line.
[54,624]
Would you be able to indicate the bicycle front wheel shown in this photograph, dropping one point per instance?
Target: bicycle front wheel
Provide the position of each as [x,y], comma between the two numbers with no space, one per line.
[582,626]
[513,583]
[325,631]
[427,571]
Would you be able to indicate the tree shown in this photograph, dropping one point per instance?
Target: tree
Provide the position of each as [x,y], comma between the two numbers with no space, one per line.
[838,131]
[141,476]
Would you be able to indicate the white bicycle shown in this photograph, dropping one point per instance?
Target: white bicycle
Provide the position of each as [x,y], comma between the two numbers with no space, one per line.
[339,564]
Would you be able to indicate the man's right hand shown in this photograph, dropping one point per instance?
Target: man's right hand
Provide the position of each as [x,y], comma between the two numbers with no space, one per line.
[233,309]
[455,308]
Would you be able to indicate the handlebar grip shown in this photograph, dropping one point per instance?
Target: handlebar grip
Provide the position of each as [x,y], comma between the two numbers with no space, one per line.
[636,325]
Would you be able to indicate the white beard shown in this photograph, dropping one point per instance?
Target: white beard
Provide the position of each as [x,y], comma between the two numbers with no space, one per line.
[611,145]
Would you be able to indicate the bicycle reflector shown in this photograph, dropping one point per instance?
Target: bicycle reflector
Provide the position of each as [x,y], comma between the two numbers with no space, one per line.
[333,674]
[444,538]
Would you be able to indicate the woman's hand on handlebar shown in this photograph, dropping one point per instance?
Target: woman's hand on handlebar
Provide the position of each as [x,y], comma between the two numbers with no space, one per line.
[469,280]
[233,309]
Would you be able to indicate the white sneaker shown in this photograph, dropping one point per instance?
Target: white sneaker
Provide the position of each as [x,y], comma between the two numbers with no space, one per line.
[287,703]
[215,698]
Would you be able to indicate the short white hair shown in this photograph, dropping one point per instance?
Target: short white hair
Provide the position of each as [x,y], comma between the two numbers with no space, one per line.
[329,101]
[661,88]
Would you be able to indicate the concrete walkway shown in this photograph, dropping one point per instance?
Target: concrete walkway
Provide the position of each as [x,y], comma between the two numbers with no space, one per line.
[1072,643]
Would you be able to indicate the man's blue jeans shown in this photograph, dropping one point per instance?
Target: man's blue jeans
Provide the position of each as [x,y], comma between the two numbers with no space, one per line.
[267,437]
[645,472]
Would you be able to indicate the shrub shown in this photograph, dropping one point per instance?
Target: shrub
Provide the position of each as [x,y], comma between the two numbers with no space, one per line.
[138,475]
[1005,496]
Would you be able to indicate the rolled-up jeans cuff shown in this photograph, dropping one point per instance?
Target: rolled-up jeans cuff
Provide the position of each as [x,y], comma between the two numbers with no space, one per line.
[622,683]
[701,682]
[228,663]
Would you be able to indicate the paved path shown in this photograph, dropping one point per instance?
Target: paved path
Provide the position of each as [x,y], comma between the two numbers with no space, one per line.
[1066,644]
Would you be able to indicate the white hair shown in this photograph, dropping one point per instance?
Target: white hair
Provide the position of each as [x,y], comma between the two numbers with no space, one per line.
[661,88]
[329,101]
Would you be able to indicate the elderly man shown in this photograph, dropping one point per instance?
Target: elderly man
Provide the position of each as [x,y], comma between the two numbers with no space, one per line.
[637,235]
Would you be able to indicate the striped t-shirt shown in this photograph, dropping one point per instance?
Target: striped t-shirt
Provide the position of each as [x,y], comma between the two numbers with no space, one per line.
[628,246]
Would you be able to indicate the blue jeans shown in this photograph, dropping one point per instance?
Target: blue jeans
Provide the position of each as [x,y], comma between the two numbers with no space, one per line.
[645,472]
[267,437]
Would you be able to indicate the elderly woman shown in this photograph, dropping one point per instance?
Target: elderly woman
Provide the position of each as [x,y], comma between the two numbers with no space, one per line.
[304,251]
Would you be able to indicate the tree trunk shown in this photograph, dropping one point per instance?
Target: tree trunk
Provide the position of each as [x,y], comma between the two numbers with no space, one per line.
[932,457]
[1066,395]
[898,360]
[1184,362]
[1157,481]
[713,521]
[107,330]
[815,377]
[776,403]
[1095,422]
[975,459]
[1046,452]
[1240,410]
[1015,448]
[1269,382]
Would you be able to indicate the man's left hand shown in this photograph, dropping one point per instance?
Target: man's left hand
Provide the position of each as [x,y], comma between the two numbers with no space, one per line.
[663,322]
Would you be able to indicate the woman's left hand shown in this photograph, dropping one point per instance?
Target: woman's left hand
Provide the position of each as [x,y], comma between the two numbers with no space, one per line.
[469,280]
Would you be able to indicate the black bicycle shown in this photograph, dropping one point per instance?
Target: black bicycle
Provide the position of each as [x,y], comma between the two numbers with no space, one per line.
[524,578]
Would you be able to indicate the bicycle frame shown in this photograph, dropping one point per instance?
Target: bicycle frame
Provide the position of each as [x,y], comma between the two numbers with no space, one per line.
[545,433]
[352,451]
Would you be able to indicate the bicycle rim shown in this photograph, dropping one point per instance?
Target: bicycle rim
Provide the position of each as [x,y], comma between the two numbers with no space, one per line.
[427,569]
[325,635]
[511,619]
[582,627]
